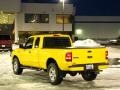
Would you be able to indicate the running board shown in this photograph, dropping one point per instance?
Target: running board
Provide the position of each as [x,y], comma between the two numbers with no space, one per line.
[33,68]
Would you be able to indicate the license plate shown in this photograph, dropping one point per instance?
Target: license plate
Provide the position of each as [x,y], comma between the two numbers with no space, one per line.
[89,66]
[3,45]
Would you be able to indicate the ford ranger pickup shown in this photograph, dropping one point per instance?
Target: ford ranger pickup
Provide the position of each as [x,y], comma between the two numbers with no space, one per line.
[55,54]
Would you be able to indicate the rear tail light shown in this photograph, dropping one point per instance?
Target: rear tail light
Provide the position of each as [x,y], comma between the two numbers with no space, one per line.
[106,54]
[68,56]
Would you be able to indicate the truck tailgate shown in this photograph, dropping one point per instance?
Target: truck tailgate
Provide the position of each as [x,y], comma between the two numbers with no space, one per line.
[89,55]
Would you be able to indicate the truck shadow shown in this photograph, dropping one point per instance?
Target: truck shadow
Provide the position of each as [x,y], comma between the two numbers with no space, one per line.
[35,76]
[71,83]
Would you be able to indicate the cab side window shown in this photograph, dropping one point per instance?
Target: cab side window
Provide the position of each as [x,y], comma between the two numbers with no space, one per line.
[37,42]
[29,43]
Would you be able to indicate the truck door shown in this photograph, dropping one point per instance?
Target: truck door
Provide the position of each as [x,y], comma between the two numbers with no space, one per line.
[26,56]
[35,53]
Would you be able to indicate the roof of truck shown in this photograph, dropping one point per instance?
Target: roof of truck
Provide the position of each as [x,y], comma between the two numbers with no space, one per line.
[50,35]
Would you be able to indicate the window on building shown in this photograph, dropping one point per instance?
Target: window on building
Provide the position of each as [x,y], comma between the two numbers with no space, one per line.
[44,18]
[36,18]
[67,18]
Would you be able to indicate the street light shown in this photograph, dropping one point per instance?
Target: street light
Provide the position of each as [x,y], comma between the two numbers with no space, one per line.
[63,6]
[78,31]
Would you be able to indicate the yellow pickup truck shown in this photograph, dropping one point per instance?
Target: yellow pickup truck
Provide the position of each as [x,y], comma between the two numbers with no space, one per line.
[55,54]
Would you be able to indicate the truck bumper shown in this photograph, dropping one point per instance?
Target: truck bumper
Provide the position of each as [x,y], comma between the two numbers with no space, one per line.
[4,49]
[83,67]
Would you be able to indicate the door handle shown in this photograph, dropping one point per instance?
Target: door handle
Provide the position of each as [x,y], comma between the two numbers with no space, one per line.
[29,51]
[89,51]
[89,57]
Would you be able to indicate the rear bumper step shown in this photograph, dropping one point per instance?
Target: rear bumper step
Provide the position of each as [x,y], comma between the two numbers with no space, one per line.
[83,65]
[89,66]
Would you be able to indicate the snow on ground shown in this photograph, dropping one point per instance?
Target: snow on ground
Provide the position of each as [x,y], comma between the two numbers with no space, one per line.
[109,79]
[113,52]
[5,62]
[114,56]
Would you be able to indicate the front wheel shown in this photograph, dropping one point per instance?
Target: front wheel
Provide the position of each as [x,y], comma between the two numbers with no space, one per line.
[89,75]
[16,67]
[54,73]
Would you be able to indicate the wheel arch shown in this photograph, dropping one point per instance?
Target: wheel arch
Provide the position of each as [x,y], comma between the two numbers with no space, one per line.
[14,57]
[51,60]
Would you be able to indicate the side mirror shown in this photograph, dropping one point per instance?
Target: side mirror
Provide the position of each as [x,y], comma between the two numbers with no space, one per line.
[21,46]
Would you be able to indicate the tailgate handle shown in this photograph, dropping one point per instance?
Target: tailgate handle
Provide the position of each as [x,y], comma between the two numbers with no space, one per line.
[89,51]
[89,57]
[75,57]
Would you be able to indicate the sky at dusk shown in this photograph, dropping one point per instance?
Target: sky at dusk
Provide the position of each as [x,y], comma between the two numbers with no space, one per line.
[89,7]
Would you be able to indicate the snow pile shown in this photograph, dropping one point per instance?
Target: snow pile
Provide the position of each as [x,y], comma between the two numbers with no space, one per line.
[15,46]
[5,63]
[86,43]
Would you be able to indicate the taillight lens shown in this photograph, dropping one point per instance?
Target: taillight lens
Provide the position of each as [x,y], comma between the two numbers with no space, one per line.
[68,56]
[106,54]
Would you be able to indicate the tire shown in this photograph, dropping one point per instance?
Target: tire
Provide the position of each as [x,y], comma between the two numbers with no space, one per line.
[10,49]
[89,75]
[55,75]
[16,67]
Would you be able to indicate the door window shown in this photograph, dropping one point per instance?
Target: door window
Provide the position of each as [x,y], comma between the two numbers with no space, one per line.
[37,42]
[29,43]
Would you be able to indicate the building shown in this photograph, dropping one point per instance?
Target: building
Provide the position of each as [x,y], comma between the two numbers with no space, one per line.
[24,19]
[35,18]
[8,11]
[97,27]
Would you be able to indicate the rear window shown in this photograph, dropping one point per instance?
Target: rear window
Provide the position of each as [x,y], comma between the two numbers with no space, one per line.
[56,42]
[4,37]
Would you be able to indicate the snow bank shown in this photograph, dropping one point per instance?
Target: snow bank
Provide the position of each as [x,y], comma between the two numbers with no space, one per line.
[86,43]
[15,46]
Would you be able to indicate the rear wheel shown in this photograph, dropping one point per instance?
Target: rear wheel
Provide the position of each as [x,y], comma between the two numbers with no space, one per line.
[89,75]
[16,67]
[55,76]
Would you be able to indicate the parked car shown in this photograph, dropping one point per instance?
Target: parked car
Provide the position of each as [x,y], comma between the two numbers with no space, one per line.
[113,42]
[5,42]
[118,39]
[103,41]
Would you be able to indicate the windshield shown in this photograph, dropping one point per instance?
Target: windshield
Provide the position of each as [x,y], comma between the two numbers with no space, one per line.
[4,37]
[56,42]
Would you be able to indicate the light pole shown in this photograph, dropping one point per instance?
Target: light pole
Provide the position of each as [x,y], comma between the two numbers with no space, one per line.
[63,6]
[9,18]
